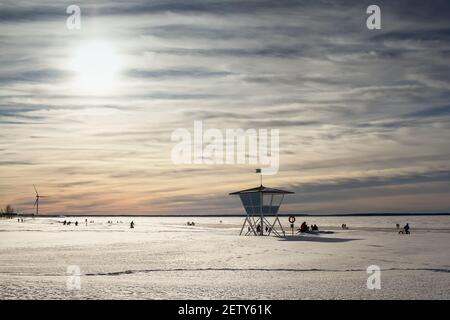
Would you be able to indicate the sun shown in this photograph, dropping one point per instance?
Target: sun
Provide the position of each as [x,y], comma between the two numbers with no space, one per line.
[96,66]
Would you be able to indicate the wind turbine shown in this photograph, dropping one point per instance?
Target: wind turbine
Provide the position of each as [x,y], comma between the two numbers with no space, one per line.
[36,203]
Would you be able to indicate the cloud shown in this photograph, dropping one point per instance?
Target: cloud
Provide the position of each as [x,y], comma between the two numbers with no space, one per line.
[431,112]
[178,73]
[47,75]
[15,163]
[374,182]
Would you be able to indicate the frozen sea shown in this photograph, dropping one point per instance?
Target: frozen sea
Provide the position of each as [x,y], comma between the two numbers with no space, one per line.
[163,258]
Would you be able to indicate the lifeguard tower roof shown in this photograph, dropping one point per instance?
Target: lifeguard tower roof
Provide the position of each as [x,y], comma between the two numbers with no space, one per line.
[263,190]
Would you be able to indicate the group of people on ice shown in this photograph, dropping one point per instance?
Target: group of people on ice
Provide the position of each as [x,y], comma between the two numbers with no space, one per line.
[305,228]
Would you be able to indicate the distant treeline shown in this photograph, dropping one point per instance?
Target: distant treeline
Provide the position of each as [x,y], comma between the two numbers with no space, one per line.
[8,211]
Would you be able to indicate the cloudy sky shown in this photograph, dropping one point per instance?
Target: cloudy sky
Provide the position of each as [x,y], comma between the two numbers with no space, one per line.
[363,114]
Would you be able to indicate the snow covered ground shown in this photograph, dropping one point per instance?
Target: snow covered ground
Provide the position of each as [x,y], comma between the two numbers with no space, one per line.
[163,258]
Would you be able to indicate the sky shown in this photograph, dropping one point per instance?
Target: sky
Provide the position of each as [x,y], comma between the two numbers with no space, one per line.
[87,115]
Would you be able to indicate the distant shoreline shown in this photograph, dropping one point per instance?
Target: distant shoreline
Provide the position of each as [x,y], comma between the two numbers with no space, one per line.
[241,215]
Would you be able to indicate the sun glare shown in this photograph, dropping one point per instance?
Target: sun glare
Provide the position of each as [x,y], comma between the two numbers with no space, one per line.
[96,66]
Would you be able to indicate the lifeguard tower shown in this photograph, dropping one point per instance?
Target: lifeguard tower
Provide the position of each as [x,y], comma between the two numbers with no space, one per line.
[261,204]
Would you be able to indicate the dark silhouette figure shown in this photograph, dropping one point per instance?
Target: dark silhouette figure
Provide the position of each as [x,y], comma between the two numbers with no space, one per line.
[132,225]
[406,228]
[304,227]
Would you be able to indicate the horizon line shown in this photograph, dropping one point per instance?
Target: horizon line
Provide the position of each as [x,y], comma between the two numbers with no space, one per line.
[370,214]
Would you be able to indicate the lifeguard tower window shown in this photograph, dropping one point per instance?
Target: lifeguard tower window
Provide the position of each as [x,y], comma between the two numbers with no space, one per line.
[252,203]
